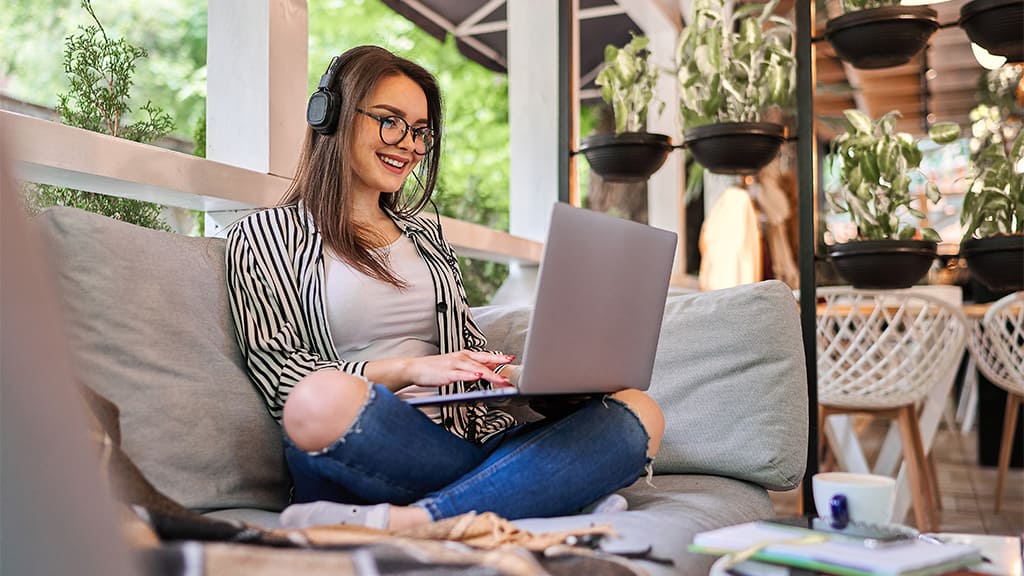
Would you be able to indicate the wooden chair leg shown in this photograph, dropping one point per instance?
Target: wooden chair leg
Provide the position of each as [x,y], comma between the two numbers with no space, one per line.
[928,479]
[827,461]
[830,464]
[933,475]
[1013,402]
[800,499]
[822,437]
[913,456]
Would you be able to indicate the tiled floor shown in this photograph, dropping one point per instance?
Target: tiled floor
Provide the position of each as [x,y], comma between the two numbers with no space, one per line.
[967,489]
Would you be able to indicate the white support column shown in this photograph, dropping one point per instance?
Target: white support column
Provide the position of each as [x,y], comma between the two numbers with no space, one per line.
[256,83]
[533,115]
[667,187]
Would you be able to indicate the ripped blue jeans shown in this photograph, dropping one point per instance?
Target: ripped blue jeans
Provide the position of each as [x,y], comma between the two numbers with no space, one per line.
[394,453]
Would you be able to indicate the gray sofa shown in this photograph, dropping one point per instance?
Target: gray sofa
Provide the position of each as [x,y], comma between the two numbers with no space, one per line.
[150,327]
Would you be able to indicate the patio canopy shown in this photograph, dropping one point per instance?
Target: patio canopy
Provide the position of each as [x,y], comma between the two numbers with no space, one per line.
[937,85]
[480,30]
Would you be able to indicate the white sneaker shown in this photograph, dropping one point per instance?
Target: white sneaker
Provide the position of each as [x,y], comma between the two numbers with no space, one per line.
[609,504]
[324,513]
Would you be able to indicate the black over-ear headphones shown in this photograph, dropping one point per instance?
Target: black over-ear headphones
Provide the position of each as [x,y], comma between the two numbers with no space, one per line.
[324,104]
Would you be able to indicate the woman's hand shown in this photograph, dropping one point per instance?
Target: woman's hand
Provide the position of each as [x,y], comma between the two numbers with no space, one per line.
[439,370]
[462,365]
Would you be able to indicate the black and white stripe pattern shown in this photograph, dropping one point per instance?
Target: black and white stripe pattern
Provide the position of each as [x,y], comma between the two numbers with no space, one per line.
[275,274]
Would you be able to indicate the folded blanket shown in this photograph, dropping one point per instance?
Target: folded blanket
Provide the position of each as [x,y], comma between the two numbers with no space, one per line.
[425,559]
[483,531]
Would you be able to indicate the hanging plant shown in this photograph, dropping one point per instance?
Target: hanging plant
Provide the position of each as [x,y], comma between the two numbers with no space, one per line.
[627,84]
[875,176]
[732,67]
[880,33]
[993,211]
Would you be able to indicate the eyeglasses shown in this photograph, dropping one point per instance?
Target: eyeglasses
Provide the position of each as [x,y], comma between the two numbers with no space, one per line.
[394,128]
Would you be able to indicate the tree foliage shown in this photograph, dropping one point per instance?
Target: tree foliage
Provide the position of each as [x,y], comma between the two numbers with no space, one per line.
[99,70]
[173,33]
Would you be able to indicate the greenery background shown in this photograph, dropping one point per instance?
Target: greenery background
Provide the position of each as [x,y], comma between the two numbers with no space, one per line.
[474,176]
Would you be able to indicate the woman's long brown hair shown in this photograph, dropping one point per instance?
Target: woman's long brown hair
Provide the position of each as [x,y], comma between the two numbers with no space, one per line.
[323,179]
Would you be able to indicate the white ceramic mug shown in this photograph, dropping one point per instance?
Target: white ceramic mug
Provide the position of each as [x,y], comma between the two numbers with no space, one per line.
[869,497]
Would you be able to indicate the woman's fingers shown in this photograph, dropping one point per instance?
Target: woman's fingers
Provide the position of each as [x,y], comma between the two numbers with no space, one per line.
[488,359]
[497,380]
[481,365]
[476,371]
[466,365]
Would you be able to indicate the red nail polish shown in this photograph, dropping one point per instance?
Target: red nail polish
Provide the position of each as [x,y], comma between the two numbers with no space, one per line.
[479,374]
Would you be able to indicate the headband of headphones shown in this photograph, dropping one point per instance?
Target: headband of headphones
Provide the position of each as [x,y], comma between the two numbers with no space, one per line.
[324,104]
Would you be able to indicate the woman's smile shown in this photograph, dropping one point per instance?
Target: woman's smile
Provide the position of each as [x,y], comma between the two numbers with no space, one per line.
[393,163]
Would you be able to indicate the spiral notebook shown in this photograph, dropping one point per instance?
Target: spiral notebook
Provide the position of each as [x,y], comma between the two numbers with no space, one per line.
[798,547]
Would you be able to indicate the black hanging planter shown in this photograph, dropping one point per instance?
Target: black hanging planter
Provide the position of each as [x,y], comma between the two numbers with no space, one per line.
[996,26]
[626,157]
[883,264]
[735,147]
[881,37]
[996,261]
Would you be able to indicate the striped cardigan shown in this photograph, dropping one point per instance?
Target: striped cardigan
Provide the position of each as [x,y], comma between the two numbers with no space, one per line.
[275,275]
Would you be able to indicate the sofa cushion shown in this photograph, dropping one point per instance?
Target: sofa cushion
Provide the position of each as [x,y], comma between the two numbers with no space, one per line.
[150,325]
[729,376]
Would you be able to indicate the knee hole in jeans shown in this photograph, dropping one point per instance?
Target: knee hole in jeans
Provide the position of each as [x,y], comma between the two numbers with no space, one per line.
[648,413]
[322,407]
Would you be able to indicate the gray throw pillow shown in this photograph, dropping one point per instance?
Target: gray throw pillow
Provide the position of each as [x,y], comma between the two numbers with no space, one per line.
[149,322]
[729,376]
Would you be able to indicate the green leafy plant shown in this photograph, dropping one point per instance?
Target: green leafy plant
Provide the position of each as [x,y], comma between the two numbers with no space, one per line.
[875,175]
[731,68]
[854,5]
[994,202]
[99,71]
[627,83]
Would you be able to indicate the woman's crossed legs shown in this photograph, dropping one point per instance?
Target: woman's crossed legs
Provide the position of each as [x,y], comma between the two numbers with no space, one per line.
[350,442]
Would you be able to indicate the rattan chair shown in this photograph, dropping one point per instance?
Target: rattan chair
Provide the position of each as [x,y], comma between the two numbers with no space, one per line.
[997,344]
[880,353]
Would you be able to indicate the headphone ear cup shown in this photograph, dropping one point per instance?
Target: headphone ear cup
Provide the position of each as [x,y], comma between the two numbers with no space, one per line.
[322,111]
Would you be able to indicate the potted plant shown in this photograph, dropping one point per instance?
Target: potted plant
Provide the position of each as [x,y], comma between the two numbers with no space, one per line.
[996,26]
[731,68]
[627,84]
[880,33]
[875,177]
[993,209]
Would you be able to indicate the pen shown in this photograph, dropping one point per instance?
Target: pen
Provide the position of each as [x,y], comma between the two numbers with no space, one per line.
[940,541]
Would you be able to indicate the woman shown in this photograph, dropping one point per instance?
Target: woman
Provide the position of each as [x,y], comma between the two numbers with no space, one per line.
[346,300]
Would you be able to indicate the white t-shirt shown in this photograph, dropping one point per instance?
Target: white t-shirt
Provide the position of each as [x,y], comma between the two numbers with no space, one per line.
[372,320]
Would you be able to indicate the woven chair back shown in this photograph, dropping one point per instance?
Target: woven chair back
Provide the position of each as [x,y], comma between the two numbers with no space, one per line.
[997,343]
[884,349]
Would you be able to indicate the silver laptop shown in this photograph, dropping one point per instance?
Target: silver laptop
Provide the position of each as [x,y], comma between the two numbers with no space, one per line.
[600,300]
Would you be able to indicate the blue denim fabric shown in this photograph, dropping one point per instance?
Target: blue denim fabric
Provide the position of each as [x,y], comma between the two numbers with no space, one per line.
[393,453]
